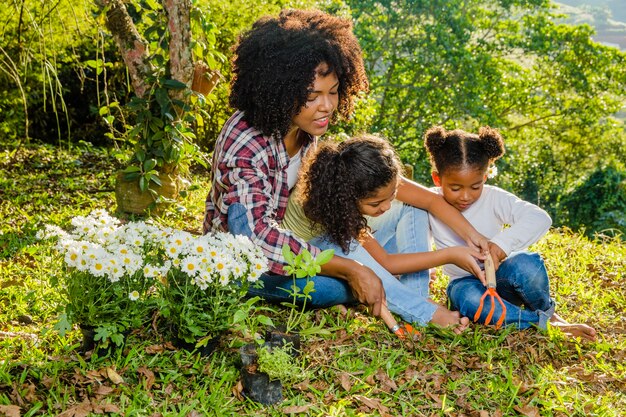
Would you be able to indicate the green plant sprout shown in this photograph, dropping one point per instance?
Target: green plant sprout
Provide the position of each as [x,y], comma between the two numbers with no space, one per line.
[303,265]
[278,363]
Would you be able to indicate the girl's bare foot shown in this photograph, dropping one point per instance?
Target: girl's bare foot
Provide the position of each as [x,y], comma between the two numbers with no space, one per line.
[446,318]
[573,329]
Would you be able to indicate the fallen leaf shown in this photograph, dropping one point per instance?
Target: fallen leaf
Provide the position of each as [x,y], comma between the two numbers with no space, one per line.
[114,376]
[238,390]
[152,349]
[81,410]
[105,408]
[194,413]
[10,410]
[372,403]
[527,410]
[344,379]
[103,390]
[296,409]
[149,375]
[436,398]
[388,384]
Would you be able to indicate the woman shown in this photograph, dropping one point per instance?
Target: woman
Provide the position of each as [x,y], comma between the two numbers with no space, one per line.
[293,75]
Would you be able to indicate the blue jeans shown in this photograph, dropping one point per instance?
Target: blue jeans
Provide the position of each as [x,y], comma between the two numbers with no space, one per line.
[401,229]
[522,282]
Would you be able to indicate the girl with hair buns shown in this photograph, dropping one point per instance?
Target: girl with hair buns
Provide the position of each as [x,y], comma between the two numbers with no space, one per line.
[294,74]
[461,163]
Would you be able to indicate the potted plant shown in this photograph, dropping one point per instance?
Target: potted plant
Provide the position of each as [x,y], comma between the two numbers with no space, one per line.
[117,274]
[163,143]
[265,363]
[266,370]
[303,265]
[167,54]
[205,281]
[106,292]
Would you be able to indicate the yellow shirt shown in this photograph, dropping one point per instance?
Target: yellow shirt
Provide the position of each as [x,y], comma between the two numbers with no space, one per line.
[296,221]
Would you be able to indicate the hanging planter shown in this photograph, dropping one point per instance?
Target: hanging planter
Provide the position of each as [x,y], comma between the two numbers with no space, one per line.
[204,78]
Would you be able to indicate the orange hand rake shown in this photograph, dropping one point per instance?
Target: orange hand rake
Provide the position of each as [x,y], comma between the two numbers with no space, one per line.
[490,274]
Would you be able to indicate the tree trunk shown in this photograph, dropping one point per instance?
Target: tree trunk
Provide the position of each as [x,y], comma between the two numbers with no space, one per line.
[132,45]
[181,65]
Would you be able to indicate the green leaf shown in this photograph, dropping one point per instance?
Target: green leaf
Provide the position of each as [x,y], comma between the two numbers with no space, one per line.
[263,319]
[149,164]
[309,287]
[132,168]
[155,179]
[287,254]
[239,316]
[63,325]
[174,84]
[324,256]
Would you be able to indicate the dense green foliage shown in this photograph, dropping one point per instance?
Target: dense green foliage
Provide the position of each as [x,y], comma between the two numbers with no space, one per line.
[547,86]
[355,367]
[512,64]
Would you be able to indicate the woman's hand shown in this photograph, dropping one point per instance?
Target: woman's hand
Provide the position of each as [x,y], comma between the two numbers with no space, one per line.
[367,288]
[465,258]
[364,283]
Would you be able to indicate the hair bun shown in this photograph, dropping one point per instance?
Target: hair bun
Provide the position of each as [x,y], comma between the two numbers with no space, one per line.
[492,142]
[434,139]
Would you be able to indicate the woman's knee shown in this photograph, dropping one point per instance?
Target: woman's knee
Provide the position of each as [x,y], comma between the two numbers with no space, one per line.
[238,220]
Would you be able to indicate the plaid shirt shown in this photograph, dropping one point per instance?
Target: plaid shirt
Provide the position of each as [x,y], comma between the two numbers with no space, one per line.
[251,169]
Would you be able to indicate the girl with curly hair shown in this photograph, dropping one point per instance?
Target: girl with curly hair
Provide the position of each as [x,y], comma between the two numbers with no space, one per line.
[293,75]
[461,163]
[344,188]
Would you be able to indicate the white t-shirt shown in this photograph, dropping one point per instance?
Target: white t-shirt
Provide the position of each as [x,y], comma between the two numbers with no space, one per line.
[495,209]
[292,169]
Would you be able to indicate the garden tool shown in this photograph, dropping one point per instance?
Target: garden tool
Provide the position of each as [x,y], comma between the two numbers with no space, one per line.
[490,274]
[401,330]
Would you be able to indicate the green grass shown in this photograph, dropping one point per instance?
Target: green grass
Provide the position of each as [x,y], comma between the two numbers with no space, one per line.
[356,368]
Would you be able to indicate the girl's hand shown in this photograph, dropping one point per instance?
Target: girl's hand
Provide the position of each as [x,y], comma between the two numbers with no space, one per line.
[479,242]
[465,258]
[497,254]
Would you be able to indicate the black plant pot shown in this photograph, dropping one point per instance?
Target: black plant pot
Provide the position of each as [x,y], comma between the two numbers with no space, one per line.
[258,387]
[278,337]
[248,354]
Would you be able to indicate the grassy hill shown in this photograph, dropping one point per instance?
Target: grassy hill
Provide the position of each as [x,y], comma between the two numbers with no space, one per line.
[353,367]
[608,17]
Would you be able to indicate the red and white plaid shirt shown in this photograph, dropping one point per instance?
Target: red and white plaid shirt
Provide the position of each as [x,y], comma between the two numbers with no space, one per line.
[251,169]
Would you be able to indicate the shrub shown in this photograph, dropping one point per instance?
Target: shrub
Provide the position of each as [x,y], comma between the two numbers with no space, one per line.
[598,204]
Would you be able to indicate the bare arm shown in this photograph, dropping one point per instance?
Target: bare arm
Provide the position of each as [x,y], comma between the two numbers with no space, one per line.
[419,196]
[403,263]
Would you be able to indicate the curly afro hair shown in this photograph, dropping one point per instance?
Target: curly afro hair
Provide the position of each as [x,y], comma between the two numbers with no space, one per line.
[338,176]
[275,64]
[457,149]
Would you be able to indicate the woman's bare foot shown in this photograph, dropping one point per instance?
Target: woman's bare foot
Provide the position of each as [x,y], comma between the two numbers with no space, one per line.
[573,329]
[446,318]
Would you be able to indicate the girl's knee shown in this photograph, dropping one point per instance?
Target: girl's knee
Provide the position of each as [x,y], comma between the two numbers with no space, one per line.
[466,294]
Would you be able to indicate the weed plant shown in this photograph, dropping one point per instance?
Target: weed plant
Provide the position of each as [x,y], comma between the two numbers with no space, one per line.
[354,368]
